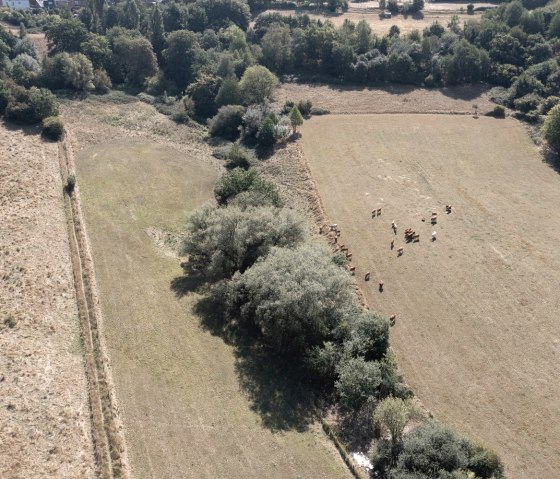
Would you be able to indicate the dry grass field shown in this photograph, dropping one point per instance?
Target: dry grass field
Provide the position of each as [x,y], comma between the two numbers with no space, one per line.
[342,99]
[381,26]
[477,333]
[45,429]
[189,404]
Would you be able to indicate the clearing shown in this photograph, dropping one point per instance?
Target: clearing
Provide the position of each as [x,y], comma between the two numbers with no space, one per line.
[343,99]
[189,404]
[477,333]
[369,11]
[45,428]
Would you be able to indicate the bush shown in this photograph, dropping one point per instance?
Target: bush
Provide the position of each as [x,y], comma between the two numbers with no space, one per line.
[257,84]
[551,128]
[265,136]
[225,240]
[497,112]
[227,122]
[527,103]
[283,129]
[53,128]
[547,104]
[70,184]
[5,95]
[305,107]
[296,297]
[318,110]
[369,336]
[31,106]
[238,157]
[238,181]
[101,81]
[358,380]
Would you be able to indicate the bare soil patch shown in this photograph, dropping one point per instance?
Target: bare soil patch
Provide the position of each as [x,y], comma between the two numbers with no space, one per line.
[389,99]
[191,406]
[45,428]
[477,335]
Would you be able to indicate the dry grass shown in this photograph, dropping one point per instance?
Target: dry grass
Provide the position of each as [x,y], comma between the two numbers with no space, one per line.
[44,414]
[381,26]
[477,334]
[389,99]
[191,405]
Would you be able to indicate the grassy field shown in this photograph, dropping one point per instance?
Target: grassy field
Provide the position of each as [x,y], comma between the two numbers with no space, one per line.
[381,26]
[45,428]
[190,404]
[477,333]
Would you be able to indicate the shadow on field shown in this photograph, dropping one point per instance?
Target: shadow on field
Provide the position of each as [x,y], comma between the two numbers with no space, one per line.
[277,390]
[552,159]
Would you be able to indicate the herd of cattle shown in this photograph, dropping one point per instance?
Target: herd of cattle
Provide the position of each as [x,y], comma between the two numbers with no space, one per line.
[410,236]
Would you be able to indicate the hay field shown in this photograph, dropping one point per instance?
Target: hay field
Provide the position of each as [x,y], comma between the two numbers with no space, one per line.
[352,99]
[477,333]
[45,428]
[381,26]
[188,409]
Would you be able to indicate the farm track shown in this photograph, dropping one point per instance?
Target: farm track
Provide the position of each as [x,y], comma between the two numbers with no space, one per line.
[108,439]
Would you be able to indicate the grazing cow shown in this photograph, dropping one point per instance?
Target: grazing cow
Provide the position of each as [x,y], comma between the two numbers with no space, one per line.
[392,244]
[380,285]
[434,235]
[373,213]
[416,237]
[378,211]
[334,227]
[392,319]
[423,219]
[367,276]
[448,208]
[434,220]
[400,251]
[349,256]
[344,250]
[352,270]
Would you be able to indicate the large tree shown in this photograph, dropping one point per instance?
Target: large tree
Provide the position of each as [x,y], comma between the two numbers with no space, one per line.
[66,35]
[257,84]
[180,56]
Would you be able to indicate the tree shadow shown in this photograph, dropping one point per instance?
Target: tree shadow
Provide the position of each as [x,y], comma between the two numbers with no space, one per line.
[278,391]
[552,159]
[465,92]
[190,281]
[28,130]
[357,428]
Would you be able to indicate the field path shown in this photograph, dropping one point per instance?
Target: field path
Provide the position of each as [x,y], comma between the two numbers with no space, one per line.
[477,333]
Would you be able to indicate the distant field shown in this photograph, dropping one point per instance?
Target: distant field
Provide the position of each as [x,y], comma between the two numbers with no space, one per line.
[477,333]
[350,99]
[381,26]
[184,405]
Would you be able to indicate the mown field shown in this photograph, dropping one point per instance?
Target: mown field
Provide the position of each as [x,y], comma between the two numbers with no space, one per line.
[477,333]
[190,406]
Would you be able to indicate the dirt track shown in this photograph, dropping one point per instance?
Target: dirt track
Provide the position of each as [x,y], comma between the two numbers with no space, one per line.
[477,332]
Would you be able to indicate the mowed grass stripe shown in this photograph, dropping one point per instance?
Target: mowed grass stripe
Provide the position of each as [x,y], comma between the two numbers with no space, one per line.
[184,411]
[477,333]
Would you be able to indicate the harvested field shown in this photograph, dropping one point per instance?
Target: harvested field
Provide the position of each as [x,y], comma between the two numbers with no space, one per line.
[477,333]
[45,428]
[389,99]
[381,26]
[188,404]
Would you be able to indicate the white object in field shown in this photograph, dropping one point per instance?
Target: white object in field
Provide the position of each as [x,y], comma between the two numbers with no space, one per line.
[362,461]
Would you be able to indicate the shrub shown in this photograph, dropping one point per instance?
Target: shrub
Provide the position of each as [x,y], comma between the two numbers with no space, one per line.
[227,121]
[238,181]
[296,117]
[304,107]
[229,93]
[369,336]
[225,240]
[257,84]
[70,184]
[358,380]
[497,112]
[254,118]
[101,81]
[238,157]
[53,128]
[265,136]
[470,9]
[25,69]
[283,129]
[296,297]
[547,104]
[5,95]
[551,128]
[31,106]
[393,414]
[318,110]
[527,103]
